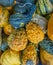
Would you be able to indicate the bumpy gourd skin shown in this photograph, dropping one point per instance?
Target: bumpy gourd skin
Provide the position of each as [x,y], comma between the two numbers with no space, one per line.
[17,40]
[46,58]
[4,15]
[8,29]
[34,33]
[50,28]
[29,56]
[44,7]
[10,57]
[20,18]
[6,2]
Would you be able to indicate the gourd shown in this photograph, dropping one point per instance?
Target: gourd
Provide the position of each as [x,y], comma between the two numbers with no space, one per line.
[19,19]
[4,15]
[41,21]
[44,7]
[29,55]
[34,33]
[46,52]
[17,40]
[50,28]
[10,57]
[6,2]
[8,29]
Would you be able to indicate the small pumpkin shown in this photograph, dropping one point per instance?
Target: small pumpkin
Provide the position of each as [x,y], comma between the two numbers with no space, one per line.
[4,15]
[46,52]
[50,28]
[34,33]
[17,40]
[19,19]
[10,57]
[29,56]
[44,7]
[8,29]
[6,2]
[41,21]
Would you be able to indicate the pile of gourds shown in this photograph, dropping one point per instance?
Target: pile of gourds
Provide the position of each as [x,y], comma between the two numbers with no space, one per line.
[26,32]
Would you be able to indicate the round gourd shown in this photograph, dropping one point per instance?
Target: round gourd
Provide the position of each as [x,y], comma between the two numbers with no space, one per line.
[4,15]
[6,2]
[34,32]
[50,28]
[19,19]
[17,40]
[46,52]
[10,57]
[29,56]
[44,7]
[8,29]
[41,21]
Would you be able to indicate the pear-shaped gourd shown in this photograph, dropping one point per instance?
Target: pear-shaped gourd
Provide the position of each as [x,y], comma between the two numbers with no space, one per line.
[17,40]
[29,56]
[8,29]
[34,33]
[10,57]
[46,52]
[50,28]
[4,15]
[44,7]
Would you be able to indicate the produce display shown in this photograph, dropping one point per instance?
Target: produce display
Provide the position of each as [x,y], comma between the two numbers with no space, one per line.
[26,32]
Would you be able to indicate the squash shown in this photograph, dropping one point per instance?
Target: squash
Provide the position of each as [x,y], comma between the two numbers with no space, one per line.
[50,28]
[34,33]
[29,55]
[8,29]
[17,40]
[46,52]
[10,57]
[44,7]
[19,19]
[41,21]
[6,2]
[4,15]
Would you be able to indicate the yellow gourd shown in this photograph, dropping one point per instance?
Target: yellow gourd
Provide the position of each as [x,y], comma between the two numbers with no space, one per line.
[46,58]
[10,57]
[50,28]
[8,29]
[34,33]
[4,15]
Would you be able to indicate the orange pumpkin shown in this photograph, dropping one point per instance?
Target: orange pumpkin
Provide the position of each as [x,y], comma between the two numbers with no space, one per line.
[8,29]
[50,28]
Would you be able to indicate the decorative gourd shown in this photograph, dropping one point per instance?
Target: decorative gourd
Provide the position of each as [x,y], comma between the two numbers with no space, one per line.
[17,40]
[50,28]
[10,57]
[6,2]
[46,52]
[34,33]
[44,7]
[29,56]
[4,15]
[8,29]
[41,21]
[18,19]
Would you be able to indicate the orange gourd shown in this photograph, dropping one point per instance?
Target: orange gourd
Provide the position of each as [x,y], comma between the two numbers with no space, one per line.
[50,28]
